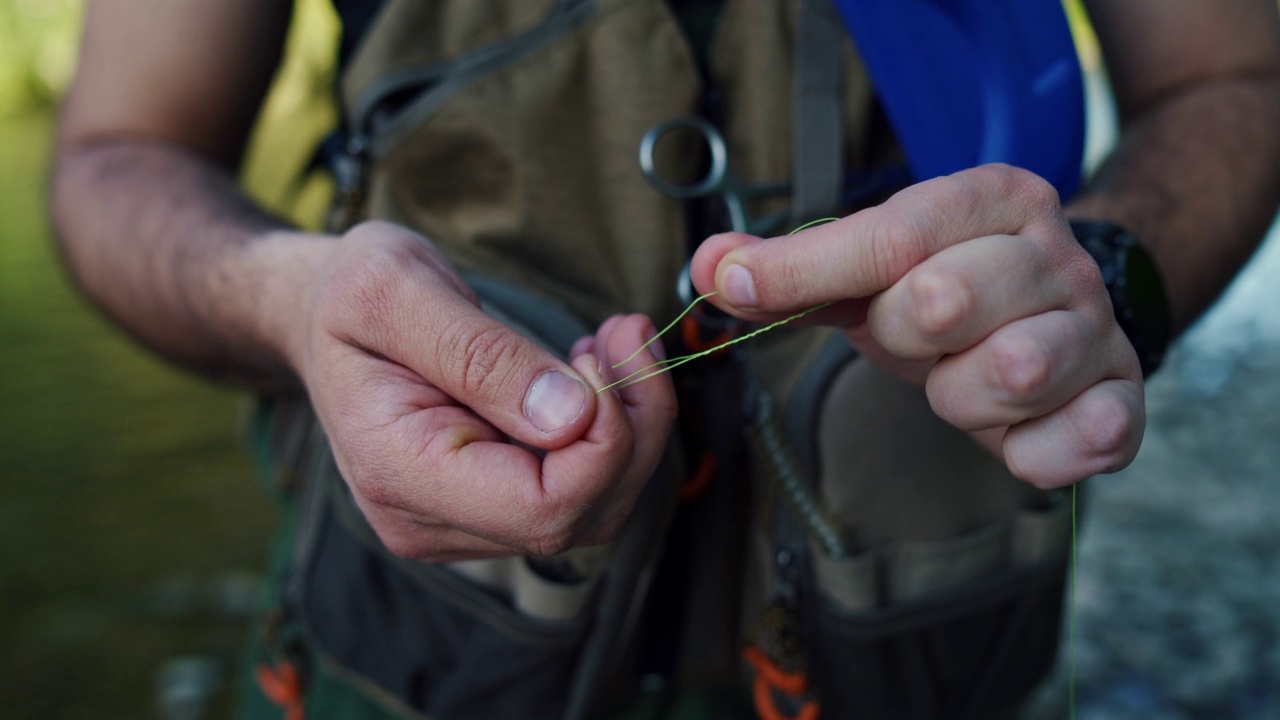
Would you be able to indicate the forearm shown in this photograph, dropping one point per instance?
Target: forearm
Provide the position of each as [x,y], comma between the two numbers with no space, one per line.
[163,242]
[1197,177]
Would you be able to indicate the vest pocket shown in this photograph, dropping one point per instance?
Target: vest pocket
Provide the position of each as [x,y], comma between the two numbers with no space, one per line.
[426,635]
[939,647]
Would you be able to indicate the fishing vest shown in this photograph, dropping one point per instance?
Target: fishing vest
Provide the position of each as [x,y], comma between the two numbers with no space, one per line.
[814,534]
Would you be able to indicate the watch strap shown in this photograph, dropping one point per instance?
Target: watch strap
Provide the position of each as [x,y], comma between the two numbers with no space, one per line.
[1134,284]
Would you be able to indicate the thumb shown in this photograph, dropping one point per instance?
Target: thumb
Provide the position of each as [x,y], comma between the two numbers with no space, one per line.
[703,269]
[413,317]
[504,377]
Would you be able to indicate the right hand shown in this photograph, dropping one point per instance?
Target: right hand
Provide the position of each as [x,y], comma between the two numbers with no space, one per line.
[459,437]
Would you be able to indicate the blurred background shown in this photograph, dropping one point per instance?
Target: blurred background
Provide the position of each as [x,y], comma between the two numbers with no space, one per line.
[133,531]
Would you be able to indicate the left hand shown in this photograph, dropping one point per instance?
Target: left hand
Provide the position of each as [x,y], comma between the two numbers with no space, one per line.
[973,286]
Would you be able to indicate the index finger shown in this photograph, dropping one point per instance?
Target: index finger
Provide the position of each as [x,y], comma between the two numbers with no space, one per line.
[867,252]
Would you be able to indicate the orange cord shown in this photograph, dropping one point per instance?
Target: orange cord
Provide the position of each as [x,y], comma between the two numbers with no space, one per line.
[771,678]
[700,479]
[283,686]
[691,333]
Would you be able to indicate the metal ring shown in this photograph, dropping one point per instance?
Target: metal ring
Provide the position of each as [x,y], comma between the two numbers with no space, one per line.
[707,315]
[715,176]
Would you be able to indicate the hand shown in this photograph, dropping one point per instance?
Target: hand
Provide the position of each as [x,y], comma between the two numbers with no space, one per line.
[973,286]
[458,437]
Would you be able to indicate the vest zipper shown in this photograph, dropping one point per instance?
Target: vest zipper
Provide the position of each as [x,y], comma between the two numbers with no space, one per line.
[349,170]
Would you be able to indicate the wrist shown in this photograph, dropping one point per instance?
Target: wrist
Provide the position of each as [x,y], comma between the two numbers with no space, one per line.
[286,267]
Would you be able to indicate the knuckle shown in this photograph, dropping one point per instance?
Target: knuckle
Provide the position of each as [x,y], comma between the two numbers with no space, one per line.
[1106,429]
[787,284]
[484,358]
[1037,191]
[941,300]
[1036,199]
[1023,366]
[1082,269]
[364,290]
[1022,184]
[896,245]
[1085,279]
[996,173]
[1041,200]
[370,231]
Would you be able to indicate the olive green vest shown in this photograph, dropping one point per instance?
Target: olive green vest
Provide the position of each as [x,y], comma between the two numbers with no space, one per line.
[850,535]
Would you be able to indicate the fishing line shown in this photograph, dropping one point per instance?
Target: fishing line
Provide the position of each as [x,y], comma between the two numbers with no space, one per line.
[662,366]
[669,364]
[1071,623]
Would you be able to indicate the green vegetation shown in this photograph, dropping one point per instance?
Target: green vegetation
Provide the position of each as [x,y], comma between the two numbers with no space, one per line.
[130,517]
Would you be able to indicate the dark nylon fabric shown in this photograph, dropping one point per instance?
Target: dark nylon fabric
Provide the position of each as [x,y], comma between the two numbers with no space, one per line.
[356,16]
[455,666]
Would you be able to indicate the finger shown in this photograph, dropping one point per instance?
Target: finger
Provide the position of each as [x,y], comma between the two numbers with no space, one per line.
[954,299]
[650,406]
[869,251]
[1027,369]
[545,506]
[603,333]
[843,313]
[595,475]
[582,346]
[629,333]
[392,442]
[1098,432]
[651,403]
[397,307]
[403,445]
[461,475]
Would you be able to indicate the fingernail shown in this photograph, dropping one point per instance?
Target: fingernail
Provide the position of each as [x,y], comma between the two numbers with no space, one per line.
[554,400]
[739,288]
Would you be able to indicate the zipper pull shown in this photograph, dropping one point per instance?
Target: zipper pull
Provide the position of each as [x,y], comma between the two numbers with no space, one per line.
[349,166]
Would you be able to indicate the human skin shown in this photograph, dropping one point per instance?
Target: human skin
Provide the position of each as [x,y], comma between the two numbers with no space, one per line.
[973,286]
[421,393]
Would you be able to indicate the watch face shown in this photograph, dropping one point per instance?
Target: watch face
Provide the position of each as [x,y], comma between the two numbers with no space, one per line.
[1148,310]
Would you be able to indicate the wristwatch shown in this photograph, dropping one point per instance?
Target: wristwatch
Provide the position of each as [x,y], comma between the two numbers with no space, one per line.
[1133,282]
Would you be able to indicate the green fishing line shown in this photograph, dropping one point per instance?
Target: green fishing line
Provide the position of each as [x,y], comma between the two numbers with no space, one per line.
[669,364]
[663,331]
[1071,632]
[663,366]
